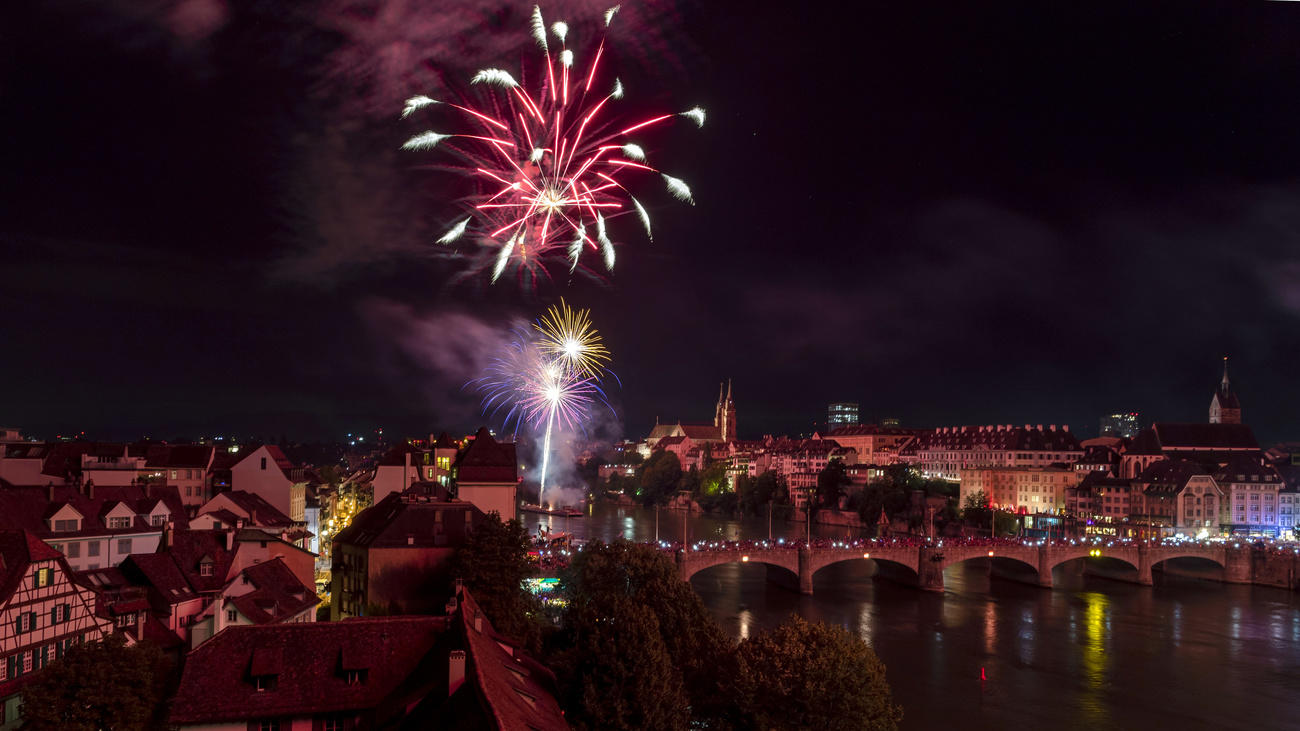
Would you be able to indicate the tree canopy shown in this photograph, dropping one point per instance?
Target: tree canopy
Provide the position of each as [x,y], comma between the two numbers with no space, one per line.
[603,578]
[493,563]
[660,477]
[812,676]
[831,483]
[100,685]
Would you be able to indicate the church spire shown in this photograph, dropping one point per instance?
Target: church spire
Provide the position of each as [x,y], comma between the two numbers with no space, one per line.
[1224,383]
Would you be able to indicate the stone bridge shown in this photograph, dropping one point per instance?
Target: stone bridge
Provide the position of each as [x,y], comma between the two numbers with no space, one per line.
[925,564]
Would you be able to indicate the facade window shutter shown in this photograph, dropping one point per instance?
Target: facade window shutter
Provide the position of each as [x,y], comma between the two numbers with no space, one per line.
[18,625]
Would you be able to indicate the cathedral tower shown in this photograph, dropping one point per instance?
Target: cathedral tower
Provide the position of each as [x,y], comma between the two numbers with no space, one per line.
[727,429]
[1224,407]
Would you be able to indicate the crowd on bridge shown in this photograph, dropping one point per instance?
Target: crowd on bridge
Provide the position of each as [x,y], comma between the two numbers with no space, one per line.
[867,544]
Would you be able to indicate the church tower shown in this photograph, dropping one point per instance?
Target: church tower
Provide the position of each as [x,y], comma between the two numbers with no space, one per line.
[727,429]
[717,410]
[1224,407]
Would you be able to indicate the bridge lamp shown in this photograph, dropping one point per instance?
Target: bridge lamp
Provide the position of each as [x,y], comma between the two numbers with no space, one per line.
[866,555]
[990,553]
[744,558]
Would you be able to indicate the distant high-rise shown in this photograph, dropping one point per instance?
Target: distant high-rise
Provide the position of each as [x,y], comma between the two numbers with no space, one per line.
[1120,425]
[841,414]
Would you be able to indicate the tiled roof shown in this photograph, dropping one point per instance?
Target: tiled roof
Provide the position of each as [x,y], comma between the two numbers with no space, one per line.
[701,431]
[182,456]
[307,659]
[259,510]
[1251,468]
[27,508]
[162,575]
[860,430]
[1169,476]
[189,549]
[974,438]
[277,594]
[19,550]
[408,519]
[487,460]
[516,691]
[1205,436]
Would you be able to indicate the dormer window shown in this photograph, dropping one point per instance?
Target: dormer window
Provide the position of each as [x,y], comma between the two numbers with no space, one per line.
[158,520]
[206,567]
[118,523]
[67,526]
[264,683]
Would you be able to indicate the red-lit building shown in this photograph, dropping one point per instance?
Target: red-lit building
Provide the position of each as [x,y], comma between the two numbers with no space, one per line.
[42,612]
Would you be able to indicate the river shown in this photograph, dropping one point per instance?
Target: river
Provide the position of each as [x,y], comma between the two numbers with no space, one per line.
[1093,653]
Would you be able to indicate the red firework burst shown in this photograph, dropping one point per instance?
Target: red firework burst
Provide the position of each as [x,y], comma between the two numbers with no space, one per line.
[550,168]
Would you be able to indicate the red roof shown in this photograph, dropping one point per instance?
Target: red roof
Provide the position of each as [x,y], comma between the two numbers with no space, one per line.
[487,460]
[307,660]
[19,549]
[515,689]
[277,594]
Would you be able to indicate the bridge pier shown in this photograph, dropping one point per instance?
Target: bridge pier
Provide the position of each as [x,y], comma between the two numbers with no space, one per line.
[1044,568]
[1238,567]
[1144,566]
[805,571]
[929,569]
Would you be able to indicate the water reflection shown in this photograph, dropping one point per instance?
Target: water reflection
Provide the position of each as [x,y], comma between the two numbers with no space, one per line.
[1096,625]
[1186,654]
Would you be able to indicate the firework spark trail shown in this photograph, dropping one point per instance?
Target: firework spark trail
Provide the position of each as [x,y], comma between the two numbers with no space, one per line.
[548,167]
[548,374]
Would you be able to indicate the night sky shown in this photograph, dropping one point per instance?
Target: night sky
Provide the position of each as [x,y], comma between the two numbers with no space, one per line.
[994,213]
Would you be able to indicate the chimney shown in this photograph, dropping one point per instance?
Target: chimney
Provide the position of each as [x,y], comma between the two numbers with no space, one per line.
[1051,428]
[1038,427]
[455,671]
[1065,427]
[167,534]
[90,489]
[230,540]
[49,491]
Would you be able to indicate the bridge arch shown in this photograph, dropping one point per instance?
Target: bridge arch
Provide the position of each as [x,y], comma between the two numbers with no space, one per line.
[1201,555]
[887,566]
[690,564]
[1061,556]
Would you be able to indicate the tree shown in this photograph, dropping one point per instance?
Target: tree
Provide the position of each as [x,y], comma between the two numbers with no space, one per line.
[831,482]
[756,492]
[603,576]
[713,480]
[976,501]
[617,674]
[100,685]
[660,476]
[804,675]
[493,563]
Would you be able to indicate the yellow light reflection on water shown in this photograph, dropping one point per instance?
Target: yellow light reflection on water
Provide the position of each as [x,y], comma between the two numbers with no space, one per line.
[1096,663]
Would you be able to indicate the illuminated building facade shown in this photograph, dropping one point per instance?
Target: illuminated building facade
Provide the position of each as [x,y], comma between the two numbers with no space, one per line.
[841,414]
[1120,425]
